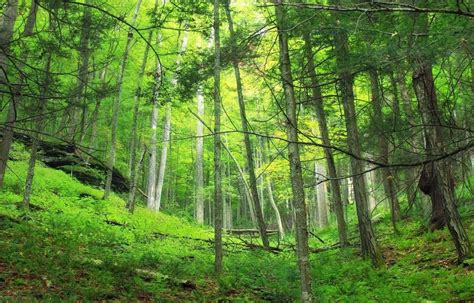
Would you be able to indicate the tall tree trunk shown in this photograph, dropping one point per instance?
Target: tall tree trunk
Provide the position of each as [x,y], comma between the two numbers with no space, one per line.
[38,124]
[217,146]
[268,184]
[136,104]
[200,159]
[163,157]
[167,131]
[82,77]
[7,23]
[31,19]
[411,173]
[134,181]
[248,145]
[440,172]
[323,129]
[369,244]
[321,195]
[387,176]
[95,114]
[297,185]
[153,138]
[116,106]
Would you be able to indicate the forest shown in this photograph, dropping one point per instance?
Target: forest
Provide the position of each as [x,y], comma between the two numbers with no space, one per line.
[236,151]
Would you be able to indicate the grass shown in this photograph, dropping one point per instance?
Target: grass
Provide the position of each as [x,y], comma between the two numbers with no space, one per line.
[77,247]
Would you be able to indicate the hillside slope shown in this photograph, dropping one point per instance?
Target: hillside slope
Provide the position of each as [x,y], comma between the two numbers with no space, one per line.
[73,246]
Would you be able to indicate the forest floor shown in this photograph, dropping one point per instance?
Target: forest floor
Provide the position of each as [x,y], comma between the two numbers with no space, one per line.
[73,246]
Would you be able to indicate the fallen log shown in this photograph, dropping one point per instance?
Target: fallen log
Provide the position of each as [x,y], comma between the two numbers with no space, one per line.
[252,232]
[71,159]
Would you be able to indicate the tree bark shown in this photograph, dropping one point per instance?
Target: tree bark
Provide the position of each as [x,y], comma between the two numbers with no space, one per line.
[116,105]
[167,131]
[38,124]
[387,176]
[321,195]
[136,104]
[163,157]
[153,139]
[369,244]
[7,23]
[323,129]
[134,182]
[200,159]
[82,77]
[297,185]
[217,145]
[248,145]
[440,176]
[268,183]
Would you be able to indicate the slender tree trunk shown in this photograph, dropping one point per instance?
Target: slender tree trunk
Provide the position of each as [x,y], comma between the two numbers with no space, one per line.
[151,204]
[369,244]
[268,183]
[411,173]
[167,131]
[82,77]
[297,185]
[95,115]
[217,146]
[321,194]
[248,145]
[163,158]
[134,182]
[35,136]
[31,19]
[136,104]
[323,129]
[116,106]
[387,176]
[200,159]
[441,176]
[7,23]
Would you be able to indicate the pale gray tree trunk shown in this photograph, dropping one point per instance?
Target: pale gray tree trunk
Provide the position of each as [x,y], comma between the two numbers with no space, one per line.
[116,105]
[297,185]
[136,104]
[167,131]
[163,157]
[248,145]
[153,138]
[200,159]
[217,145]
[268,183]
[321,194]
[7,23]
[31,19]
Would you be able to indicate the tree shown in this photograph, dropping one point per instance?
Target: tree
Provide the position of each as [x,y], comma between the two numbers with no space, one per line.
[438,173]
[323,129]
[297,186]
[116,107]
[248,145]
[218,217]
[200,159]
[7,23]
[369,244]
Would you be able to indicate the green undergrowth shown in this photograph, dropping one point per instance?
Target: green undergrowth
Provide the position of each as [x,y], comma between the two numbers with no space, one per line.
[74,246]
